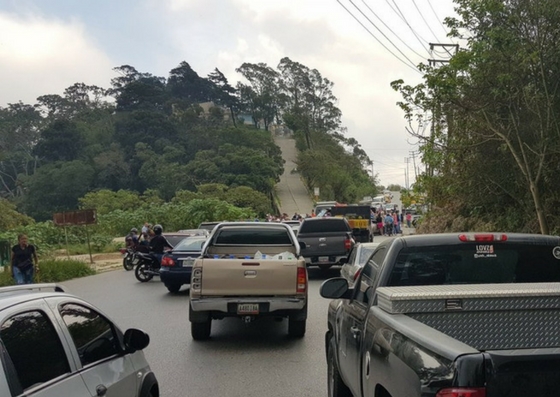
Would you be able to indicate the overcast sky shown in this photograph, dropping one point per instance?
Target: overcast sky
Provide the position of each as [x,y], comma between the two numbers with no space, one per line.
[48,45]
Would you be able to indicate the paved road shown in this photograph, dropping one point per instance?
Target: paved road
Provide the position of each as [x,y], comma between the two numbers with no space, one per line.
[291,191]
[242,360]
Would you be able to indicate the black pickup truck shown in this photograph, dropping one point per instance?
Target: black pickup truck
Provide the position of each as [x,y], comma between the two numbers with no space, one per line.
[328,240]
[448,315]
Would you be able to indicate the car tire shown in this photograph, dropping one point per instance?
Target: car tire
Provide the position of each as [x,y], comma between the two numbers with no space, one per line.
[173,288]
[335,384]
[296,328]
[201,331]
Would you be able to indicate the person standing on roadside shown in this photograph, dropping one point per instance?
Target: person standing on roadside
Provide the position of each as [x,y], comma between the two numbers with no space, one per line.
[24,261]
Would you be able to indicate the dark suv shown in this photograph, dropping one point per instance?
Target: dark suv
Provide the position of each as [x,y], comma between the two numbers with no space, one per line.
[54,344]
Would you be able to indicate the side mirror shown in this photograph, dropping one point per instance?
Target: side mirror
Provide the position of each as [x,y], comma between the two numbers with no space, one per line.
[135,339]
[302,245]
[335,288]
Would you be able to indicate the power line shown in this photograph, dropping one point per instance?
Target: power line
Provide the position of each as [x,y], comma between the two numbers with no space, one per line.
[396,35]
[380,31]
[401,15]
[424,19]
[372,35]
[436,15]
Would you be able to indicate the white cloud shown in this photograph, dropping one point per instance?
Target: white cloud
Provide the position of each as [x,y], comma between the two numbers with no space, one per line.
[39,56]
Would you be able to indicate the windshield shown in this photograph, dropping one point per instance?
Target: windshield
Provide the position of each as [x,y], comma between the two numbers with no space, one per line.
[365,253]
[475,263]
[190,244]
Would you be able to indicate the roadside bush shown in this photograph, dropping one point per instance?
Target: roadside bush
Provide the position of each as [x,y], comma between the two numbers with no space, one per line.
[52,271]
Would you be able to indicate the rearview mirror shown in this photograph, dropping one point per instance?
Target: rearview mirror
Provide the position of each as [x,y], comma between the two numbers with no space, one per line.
[135,339]
[335,288]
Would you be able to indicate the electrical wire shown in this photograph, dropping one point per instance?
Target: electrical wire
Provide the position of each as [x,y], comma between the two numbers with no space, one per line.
[399,13]
[383,34]
[439,20]
[424,19]
[396,35]
[372,35]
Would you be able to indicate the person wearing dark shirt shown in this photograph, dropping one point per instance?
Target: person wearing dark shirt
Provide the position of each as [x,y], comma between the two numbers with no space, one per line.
[24,261]
[158,243]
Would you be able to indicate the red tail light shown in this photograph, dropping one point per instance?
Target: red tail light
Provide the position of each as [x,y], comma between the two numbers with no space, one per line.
[123,250]
[301,280]
[167,261]
[348,244]
[483,238]
[462,392]
[357,274]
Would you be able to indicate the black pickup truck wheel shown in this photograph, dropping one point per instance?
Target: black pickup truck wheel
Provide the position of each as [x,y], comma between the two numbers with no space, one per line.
[296,328]
[336,386]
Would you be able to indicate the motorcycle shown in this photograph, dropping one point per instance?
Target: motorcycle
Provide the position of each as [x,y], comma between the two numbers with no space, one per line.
[129,259]
[147,267]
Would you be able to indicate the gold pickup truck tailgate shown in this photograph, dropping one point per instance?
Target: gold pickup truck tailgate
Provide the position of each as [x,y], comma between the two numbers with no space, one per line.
[250,277]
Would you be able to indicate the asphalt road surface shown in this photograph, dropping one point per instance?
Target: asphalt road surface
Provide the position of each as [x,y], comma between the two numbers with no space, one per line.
[245,360]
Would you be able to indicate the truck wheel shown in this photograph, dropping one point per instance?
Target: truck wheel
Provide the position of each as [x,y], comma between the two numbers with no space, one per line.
[201,331]
[296,328]
[336,386]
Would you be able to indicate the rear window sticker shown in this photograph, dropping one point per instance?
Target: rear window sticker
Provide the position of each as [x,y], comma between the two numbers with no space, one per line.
[485,251]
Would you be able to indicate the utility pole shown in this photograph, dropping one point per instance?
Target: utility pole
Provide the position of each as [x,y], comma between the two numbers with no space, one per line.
[413,155]
[406,159]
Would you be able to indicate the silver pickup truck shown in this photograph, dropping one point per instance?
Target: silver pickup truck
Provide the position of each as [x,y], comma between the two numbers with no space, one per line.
[249,270]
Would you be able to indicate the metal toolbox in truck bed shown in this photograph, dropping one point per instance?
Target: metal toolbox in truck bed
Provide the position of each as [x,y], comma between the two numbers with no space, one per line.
[484,316]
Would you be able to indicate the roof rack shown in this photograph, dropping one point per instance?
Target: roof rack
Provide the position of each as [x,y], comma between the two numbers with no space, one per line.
[33,287]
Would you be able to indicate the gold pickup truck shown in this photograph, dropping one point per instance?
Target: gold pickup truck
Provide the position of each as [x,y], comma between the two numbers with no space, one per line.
[249,270]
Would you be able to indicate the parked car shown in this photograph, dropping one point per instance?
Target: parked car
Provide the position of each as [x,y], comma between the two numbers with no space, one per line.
[176,265]
[356,261]
[175,238]
[56,344]
[294,225]
[194,232]
[208,225]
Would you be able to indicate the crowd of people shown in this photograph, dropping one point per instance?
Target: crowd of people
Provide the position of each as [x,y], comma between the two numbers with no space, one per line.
[149,240]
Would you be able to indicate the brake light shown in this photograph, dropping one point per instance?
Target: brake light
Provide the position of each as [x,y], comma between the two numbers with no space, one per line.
[462,392]
[357,274]
[167,261]
[196,279]
[483,238]
[301,280]
[348,244]
[123,251]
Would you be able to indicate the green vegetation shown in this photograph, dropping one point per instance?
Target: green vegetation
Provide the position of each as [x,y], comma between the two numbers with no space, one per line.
[52,271]
[492,149]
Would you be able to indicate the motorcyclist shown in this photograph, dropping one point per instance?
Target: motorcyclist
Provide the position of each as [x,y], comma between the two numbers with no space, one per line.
[131,239]
[158,243]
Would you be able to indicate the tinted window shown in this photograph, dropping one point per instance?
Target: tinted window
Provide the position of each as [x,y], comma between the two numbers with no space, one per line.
[471,263]
[324,225]
[33,348]
[93,335]
[256,236]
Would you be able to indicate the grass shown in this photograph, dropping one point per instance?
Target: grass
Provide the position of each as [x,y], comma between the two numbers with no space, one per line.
[52,271]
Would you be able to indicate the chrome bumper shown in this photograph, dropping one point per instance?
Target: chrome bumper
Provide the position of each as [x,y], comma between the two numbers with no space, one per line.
[221,304]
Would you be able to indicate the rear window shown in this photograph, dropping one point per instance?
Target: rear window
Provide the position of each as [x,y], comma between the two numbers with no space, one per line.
[257,236]
[324,225]
[190,244]
[475,263]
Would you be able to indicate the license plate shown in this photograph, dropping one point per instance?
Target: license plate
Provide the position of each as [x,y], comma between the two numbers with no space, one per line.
[187,262]
[248,308]
[323,259]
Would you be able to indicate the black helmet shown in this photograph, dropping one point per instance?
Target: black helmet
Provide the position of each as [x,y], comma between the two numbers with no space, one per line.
[133,230]
[158,229]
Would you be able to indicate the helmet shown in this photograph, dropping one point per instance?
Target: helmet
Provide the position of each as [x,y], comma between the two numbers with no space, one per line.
[158,229]
[133,230]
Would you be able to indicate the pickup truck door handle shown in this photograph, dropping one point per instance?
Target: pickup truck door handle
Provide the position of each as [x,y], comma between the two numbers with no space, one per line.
[355,331]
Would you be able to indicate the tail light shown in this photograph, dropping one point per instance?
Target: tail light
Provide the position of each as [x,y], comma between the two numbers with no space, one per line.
[462,392]
[123,251]
[167,261]
[348,243]
[196,279]
[357,274]
[301,280]
[483,238]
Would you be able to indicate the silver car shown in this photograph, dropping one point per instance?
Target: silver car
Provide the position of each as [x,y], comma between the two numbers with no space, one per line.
[356,261]
[54,344]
